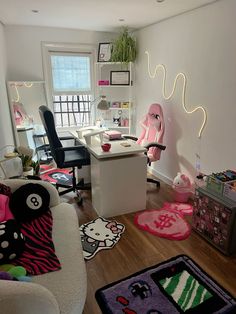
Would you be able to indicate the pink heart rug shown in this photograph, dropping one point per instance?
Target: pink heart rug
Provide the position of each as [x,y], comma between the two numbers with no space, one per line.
[167,222]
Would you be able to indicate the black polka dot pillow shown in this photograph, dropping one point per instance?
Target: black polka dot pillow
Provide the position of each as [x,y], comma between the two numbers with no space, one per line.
[11,241]
[29,202]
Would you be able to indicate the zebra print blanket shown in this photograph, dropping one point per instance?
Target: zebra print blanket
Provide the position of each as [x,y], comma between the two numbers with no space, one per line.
[39,255]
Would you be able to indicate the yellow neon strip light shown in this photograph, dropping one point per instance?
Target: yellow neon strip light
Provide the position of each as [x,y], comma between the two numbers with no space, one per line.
[17,94]
[179,75]
[28,85]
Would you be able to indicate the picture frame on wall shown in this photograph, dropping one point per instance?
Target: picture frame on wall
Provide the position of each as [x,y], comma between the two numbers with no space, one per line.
[120,78]
[104,52]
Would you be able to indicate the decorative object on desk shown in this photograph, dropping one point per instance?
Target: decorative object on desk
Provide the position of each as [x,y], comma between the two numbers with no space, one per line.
[112,135]
[119,78]
[167,222]
[103,104]
[182,188]
[98,235]
[106,147]
[157,289]
[124,48]
[104,52]
[57,176]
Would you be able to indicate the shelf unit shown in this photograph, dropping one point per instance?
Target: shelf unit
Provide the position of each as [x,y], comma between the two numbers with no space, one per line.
[118,118]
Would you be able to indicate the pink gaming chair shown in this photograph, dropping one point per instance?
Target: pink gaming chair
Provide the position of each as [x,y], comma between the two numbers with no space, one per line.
[153,128]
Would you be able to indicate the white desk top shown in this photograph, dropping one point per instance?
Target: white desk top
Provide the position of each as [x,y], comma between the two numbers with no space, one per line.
[117,149]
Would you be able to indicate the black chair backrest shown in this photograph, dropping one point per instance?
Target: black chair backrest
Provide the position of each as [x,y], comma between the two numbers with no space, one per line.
[49,125]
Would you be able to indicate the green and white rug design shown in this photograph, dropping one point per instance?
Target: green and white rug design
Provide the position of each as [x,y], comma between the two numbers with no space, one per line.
[186,291]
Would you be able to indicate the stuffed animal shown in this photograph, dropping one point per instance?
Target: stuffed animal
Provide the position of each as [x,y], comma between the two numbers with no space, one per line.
[181,181]
[11,272]
[182,187]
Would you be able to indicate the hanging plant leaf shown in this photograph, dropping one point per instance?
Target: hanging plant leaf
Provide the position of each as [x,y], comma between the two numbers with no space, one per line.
[124,48]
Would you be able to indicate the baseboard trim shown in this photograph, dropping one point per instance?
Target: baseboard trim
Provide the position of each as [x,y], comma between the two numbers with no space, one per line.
[161,176]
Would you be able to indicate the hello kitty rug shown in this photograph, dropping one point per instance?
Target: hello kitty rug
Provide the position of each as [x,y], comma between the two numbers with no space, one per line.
[167,222]
[98,235]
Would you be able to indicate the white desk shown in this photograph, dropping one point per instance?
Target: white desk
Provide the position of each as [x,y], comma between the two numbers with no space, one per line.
[118,178]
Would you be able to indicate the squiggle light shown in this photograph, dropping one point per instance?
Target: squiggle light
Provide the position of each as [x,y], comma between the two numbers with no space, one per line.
[28,85]
[179,75]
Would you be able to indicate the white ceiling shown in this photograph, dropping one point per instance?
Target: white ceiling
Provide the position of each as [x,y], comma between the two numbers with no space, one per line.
[100,15]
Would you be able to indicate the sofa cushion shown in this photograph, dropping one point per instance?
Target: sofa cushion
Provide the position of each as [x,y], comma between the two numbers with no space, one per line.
[11,241]
[29,202]
[68,285]
[5,190]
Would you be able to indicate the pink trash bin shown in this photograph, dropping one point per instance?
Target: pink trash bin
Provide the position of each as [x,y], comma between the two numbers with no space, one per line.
[181,196]
[182,188]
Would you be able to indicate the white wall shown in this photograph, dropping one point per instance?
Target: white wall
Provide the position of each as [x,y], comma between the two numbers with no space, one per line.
[24,47]
[202,44]
[6,136]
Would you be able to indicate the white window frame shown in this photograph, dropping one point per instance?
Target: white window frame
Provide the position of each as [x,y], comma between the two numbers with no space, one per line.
[81,49]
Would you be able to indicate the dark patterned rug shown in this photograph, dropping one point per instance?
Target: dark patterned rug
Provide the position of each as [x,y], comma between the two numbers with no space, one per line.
[60,176]
[177,285]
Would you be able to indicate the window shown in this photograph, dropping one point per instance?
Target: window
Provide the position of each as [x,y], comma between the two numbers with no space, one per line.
[68,73]
[72,110]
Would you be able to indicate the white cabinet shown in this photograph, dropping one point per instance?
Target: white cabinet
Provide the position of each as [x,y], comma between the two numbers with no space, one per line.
[115,81]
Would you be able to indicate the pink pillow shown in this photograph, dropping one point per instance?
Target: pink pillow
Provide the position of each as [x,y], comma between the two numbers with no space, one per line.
[5,213]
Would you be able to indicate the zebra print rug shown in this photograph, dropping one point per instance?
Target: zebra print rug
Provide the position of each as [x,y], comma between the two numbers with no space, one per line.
[178,285]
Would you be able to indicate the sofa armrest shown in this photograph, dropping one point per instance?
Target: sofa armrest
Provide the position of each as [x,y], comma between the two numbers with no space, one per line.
[14,184]
[26,298]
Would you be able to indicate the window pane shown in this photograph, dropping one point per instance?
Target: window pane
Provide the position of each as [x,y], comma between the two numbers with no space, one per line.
[72,110]
[70,73]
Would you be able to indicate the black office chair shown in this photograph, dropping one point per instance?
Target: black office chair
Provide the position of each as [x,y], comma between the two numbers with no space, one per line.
[65,157]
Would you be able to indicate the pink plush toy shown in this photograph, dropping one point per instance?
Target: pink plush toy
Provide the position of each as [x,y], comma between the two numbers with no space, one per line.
[153,130]
[182,187]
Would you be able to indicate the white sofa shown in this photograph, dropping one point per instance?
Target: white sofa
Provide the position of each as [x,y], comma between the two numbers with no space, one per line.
[63,291]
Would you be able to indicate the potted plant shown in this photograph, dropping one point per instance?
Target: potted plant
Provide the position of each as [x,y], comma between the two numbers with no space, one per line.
[124,48]
[27,164]
[30,167]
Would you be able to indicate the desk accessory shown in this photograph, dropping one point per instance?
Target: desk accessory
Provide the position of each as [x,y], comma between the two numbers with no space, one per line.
[106,147]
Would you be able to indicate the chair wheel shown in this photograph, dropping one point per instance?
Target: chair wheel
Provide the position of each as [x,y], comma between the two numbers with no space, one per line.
[79,199]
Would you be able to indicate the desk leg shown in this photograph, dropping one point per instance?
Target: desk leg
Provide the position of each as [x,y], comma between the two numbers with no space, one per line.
[119,184]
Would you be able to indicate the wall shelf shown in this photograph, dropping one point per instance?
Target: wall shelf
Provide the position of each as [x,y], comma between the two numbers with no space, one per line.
[117,94]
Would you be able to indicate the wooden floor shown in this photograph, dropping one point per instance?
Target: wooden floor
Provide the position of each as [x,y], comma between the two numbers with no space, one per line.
[138,249]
